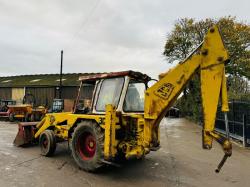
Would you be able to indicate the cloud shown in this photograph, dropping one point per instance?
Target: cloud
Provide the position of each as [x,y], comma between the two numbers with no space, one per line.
[117,35]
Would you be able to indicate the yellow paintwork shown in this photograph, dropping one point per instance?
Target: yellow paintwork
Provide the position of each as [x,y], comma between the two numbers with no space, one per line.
[212,76]
[55,119]
[143,134]
[19,116]
[110,142]
[224,99]
[160,97]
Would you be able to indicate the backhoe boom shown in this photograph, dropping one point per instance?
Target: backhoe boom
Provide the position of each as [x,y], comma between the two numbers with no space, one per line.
[209,59]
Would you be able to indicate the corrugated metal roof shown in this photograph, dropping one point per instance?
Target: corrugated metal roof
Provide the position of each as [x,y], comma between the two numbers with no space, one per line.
[69,79]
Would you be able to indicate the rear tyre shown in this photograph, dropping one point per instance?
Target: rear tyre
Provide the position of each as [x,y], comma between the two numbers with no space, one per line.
[27,117]
[47,142]
[12,117]
[88,145]
[32,117]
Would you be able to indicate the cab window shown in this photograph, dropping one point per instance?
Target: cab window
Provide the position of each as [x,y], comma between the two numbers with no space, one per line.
[134,100]
[110,93]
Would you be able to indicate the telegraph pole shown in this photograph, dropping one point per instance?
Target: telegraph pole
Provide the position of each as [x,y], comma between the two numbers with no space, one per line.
[60,85]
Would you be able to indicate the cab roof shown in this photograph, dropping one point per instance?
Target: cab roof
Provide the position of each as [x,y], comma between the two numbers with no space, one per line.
[133,74]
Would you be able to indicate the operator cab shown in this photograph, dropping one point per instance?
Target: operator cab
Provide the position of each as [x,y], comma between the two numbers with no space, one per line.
[124,90]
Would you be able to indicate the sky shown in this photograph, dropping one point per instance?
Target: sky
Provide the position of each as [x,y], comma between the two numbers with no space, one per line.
[97,35]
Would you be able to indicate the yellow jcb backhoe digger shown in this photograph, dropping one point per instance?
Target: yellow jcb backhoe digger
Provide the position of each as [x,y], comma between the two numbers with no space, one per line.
[123,121]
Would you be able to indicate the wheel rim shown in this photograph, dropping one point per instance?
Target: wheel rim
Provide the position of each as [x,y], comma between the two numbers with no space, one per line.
[86,146]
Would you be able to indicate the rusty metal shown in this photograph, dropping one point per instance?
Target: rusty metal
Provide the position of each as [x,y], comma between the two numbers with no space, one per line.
[25,134]
[133,74]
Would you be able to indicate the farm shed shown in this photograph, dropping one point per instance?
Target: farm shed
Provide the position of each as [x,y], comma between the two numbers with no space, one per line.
[44,87]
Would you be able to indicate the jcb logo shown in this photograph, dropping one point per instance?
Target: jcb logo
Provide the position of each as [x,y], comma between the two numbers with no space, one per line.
[165,90]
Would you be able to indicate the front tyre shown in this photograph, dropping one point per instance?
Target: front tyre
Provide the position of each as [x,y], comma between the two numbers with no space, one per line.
[47,142]
[87,146]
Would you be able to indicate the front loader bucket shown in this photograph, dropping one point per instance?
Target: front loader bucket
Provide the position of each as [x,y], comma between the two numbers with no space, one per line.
[25,135]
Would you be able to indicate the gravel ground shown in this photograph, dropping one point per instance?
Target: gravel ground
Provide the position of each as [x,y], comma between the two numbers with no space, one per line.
[179,162]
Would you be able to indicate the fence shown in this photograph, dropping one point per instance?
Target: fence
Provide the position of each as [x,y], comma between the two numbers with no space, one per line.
[238,120]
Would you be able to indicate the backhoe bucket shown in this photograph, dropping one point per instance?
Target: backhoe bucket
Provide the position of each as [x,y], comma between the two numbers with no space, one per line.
[25,135]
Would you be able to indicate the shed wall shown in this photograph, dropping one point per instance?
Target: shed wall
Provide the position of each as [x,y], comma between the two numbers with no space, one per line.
[87,91]
[71,92]
[5,93]
[43,96]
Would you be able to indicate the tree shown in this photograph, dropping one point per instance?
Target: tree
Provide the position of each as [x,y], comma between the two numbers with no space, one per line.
[188,34]
[239,88]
